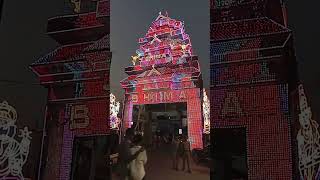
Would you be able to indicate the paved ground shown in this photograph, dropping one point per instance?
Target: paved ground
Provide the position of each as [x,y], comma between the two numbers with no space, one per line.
[159,167]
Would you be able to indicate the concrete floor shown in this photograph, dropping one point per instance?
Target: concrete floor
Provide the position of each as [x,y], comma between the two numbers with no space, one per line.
[159,167]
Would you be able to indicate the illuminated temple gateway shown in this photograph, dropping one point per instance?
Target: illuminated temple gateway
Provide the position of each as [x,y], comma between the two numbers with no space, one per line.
[76,75]
[165,71]
[253,84]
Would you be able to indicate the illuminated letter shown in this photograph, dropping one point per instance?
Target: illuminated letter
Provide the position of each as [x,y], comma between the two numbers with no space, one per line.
[182,95]
[146,97]
[79,117]
[231,106]
[167,96]
[134,98]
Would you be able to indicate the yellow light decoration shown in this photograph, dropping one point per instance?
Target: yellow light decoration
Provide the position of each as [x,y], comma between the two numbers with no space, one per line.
[135,59]
[77,5]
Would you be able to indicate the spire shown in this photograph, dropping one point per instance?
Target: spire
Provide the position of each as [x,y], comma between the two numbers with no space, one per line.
[161,16]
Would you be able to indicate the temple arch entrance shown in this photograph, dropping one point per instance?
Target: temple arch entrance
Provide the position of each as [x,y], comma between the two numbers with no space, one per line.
[166,71]
[192,99]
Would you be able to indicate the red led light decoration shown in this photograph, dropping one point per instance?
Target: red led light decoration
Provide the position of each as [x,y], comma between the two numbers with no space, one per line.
[166,71]
[76,75]
[252,73]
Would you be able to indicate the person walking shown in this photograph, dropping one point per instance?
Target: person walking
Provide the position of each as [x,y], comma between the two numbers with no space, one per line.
[179,153]
[186,154]
[174,149]
[125,156]
[136,166]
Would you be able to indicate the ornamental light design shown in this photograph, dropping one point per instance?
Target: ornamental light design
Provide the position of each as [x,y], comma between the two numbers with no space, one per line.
[308,141]
[13,154]
[206,113]
[114,110]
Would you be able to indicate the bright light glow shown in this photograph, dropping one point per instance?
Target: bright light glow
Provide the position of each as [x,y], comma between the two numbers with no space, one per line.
[206,113]
[308,140]
[114,110]
[13,154]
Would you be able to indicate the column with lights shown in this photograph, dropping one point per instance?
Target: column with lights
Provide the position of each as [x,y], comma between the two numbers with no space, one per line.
[76,75]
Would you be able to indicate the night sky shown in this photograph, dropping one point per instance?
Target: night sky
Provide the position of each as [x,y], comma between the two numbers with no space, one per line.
[23,40]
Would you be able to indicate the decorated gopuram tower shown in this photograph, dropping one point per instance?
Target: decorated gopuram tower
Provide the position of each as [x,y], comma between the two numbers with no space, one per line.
[166,71]
[76,75]
[253,72]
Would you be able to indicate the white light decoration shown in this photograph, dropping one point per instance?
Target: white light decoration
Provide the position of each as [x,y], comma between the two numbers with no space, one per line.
[206,113]
[308,141]
[114,110]
[13,154]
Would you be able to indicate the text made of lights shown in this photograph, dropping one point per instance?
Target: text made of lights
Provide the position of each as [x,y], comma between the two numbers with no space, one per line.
[164,96]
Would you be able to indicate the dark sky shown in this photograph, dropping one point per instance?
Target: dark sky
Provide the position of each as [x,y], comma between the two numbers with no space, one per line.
[23,40]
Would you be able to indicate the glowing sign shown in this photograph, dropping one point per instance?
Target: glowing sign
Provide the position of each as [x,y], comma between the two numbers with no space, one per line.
[13,154]
[164,96]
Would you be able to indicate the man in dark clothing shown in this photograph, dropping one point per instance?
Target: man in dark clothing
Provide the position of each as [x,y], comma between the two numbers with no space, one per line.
[125,156]
[186,154]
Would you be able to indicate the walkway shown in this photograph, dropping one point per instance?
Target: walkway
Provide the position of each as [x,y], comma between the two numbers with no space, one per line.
[159,167]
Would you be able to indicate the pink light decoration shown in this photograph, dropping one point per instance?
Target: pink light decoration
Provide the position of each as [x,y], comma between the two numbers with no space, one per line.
[166,71]
[155,50]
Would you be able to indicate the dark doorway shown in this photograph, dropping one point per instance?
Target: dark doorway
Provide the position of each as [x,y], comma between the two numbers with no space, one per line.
[160,119]
[90,159]
[229,154]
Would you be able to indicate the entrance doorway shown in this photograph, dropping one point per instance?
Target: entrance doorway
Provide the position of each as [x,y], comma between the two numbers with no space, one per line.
[90,157]
[166,119]
[229,153]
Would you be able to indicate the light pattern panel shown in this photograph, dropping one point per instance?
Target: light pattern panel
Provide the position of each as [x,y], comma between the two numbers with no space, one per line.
[77,75]
[248,44]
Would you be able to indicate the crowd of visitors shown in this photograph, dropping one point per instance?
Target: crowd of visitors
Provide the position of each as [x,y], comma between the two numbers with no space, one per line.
[133,156]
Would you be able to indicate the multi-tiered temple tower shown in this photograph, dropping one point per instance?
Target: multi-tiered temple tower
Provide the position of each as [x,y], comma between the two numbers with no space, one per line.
[253,72]
[76,75]
[166,71]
